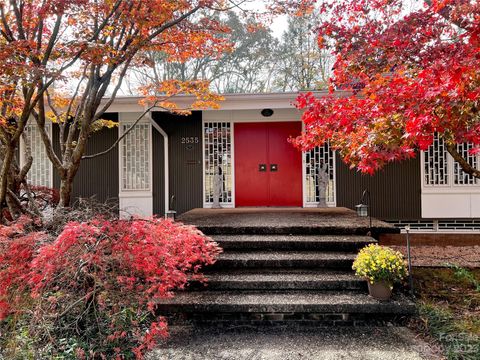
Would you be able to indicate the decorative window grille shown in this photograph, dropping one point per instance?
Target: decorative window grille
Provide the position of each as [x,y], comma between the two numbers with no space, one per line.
[436,163]
[218,159]
[440,167]
[136,158]
[40,173]
[444,225]
[316,159]
[459,176]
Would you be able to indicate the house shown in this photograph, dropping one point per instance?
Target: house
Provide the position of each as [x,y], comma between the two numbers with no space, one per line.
[239,156]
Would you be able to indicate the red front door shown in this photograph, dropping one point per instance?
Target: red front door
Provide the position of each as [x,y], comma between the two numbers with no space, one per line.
[268,169]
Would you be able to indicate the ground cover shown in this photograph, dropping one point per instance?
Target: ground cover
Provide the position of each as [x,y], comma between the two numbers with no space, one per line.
[448,301]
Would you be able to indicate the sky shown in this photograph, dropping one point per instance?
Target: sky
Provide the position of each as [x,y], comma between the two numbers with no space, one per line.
[279,25]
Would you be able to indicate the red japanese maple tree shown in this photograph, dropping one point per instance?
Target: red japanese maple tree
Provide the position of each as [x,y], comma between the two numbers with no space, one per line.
[92,290]
[402,74]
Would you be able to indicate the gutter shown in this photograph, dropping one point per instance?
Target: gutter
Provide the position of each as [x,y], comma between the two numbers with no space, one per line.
[165,162]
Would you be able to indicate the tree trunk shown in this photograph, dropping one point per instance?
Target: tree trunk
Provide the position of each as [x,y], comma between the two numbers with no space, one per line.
[4,175]
[66,186]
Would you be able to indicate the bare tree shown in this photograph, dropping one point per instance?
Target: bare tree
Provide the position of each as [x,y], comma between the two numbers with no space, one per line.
[244,69]
[300,64]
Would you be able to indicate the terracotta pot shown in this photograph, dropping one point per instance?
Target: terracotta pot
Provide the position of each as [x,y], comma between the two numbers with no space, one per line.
[380,290]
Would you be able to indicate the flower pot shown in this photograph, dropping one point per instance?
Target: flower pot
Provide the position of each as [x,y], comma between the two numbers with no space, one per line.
[380,290]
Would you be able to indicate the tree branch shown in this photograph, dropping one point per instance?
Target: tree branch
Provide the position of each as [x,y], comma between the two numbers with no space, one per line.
[464,164]
[84,157]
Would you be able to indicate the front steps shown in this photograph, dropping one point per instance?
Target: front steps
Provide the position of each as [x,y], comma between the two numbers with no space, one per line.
[284,259]
[283,279]
[312,308]
[278,278]
[297,242]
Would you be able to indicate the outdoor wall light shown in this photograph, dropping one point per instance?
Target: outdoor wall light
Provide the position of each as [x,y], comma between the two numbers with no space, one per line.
[267,112]
[362,208]
[171,214]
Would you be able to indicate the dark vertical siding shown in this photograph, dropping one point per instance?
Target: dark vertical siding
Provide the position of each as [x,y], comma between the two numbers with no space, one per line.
[185,160]
[395,190]
[97,177]
[56,148]
[158,173]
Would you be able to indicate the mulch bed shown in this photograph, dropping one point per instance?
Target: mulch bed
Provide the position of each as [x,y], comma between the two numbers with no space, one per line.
[465,256]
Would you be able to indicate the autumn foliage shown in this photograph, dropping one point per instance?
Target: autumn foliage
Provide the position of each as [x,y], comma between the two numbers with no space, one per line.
[92,290]
[401,75]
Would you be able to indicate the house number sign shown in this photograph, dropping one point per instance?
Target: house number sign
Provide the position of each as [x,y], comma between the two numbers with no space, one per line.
[190,140]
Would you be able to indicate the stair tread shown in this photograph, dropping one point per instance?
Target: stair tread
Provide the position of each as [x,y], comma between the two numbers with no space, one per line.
[286,255]
[294,238]
[283,276]
[291,300]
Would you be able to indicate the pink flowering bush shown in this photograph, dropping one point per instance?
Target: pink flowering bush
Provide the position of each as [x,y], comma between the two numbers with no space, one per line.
[92,290]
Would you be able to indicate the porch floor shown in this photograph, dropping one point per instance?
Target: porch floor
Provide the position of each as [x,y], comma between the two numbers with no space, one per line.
[284,220]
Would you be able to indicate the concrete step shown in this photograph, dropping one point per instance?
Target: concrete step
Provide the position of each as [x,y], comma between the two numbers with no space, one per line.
[294,242]
[292,230]
[285,221]
[282,279]
[282,304]
[284,259]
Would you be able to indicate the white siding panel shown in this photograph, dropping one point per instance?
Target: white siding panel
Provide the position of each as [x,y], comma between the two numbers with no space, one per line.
[446,205]
[475,205]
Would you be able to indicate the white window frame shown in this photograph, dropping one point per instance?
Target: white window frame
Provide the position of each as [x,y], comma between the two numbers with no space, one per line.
[131,201]
[314,204]
[448,201]
[450,186]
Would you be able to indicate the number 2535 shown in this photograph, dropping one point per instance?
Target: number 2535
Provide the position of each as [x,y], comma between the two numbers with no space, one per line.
[190,140]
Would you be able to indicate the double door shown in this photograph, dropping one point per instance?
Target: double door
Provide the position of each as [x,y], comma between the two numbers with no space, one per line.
[268,169]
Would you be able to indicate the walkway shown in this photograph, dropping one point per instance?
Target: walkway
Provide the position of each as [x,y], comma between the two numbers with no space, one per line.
[335,343]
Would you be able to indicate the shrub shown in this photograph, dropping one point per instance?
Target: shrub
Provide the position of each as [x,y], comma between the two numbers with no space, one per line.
[45,196]
[18,244]
[92,290]
[380,263]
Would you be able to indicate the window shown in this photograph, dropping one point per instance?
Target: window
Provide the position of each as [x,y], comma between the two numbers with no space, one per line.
[135,155]
[436,163]
[41,171]
[218,160]
[441,170]
[320,158]
[459,176]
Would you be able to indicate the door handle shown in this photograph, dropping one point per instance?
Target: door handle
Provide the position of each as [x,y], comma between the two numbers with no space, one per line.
[273,167]
[262,167]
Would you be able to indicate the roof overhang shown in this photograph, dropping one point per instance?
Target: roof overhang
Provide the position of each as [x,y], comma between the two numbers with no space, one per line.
[285,100]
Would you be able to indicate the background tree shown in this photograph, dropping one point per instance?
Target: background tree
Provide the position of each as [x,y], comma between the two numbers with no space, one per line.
[244,68]
[413,72]
[299,62]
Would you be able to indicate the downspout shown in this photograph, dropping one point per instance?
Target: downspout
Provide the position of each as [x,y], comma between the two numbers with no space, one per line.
[165,162]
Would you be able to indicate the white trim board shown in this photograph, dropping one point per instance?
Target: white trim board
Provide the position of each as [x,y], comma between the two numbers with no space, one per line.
[283,100]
